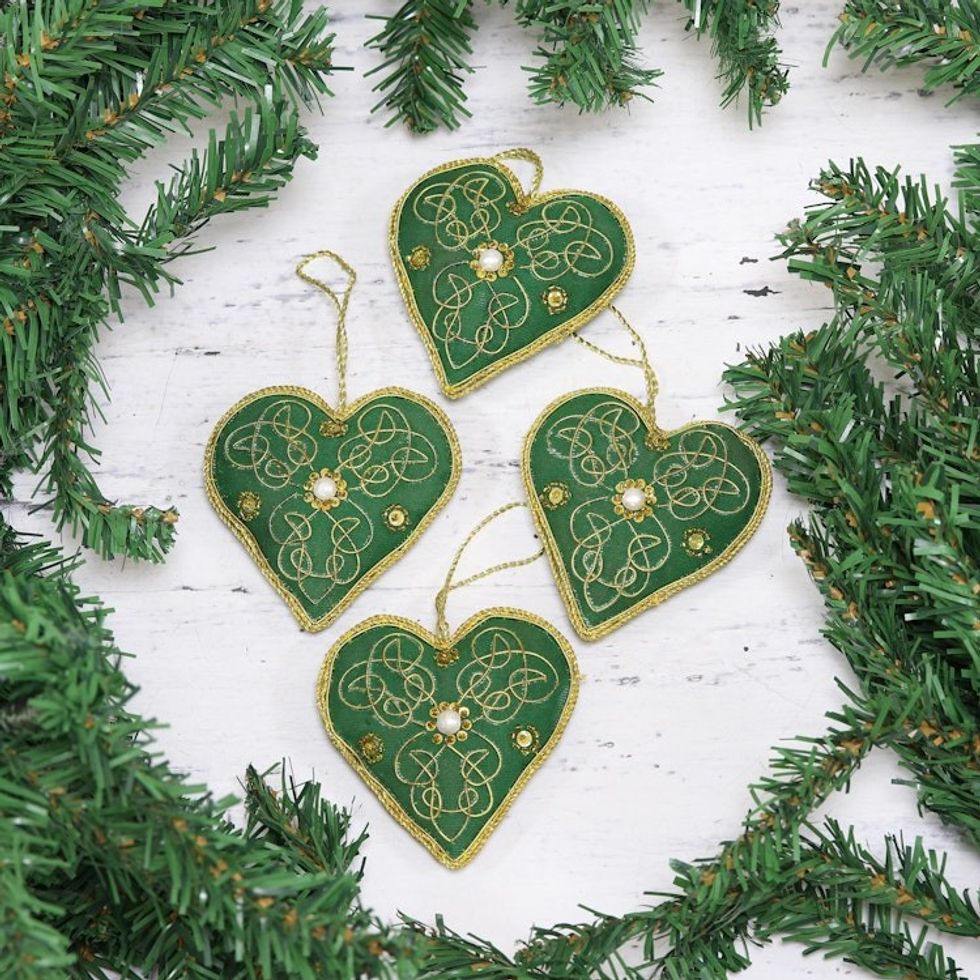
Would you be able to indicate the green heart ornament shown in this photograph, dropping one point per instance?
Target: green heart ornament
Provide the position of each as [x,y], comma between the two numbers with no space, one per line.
[491,274]
[447,734]
[323,501]
[630,514]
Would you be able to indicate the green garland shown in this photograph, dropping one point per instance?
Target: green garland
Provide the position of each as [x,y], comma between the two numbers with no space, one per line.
[110,861]
[586,55]
[88,87]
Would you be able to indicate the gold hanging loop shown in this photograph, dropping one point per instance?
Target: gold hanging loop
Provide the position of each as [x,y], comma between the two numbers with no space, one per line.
[442,596]
[642,362]
[341,301]
[528,156]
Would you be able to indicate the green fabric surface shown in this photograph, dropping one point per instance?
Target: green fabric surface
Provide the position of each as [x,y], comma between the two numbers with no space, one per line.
[710,486]
[385,682]
[572,240]
[391,451]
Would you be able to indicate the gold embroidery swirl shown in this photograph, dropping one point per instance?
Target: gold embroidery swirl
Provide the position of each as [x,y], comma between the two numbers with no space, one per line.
[559,240]
[614,556]
[279,450]
[450,782]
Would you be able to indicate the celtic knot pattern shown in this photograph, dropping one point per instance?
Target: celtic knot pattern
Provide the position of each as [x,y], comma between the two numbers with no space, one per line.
[614,556]
[557,239]
[394,679]
[275,449]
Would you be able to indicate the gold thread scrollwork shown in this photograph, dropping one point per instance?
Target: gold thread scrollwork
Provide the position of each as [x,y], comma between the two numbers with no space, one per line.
[310,554]
[614,556]
[559,238]
[445,758]
[439,790]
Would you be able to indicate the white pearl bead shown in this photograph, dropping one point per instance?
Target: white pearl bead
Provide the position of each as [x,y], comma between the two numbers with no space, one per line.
[325,488]
[449,721]
[634,499]
[491,259]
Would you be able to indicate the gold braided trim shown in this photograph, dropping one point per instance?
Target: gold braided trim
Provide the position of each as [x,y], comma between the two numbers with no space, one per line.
[242,532]
[387,799]
[553,336]
[583,629]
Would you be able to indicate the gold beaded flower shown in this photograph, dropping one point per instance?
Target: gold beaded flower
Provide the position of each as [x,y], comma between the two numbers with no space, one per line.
[447,657]
[249,505]
[555,298]
[419,257]
[555,495]
[449,723]
[372,748]
[492,259]
[526,739]
[634,499]
[396,518]
[696,542]
[325,489]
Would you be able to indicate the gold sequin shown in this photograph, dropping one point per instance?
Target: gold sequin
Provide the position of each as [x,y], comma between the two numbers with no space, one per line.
[555,298]
[372,748]
[634,515]
[492,275]
[526,739]
[249,504]
[419,258]
[396,517]
[333,427]
[696,542]
[555,495]
[446,658]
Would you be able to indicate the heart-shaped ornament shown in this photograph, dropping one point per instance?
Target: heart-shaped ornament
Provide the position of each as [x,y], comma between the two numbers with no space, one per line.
[629,514]
[448,734]
[323,501]
[491,274]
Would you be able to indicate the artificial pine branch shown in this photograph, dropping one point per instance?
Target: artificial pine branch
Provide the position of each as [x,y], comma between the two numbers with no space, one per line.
[743,41]
[587,53]
[114,862]
[425,46]
[898,33]
[88,88]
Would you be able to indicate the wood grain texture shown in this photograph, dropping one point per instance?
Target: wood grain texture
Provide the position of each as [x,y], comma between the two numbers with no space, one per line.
[678,709]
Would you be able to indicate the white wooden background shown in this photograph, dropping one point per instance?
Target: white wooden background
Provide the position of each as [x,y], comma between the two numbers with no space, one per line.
[679,708]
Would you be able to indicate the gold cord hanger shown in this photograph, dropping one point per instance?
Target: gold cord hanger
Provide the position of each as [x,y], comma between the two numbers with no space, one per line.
[341,301]
[442,596]
[528,156]
[642,362]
